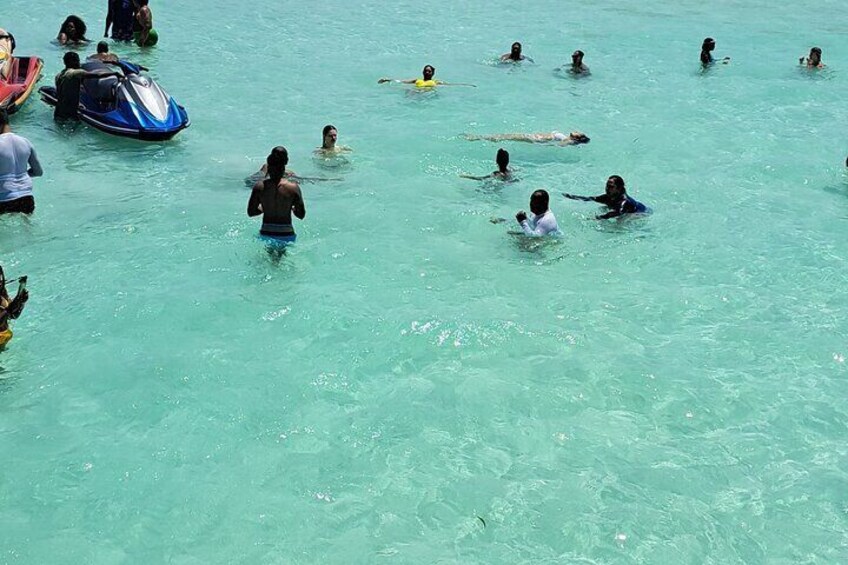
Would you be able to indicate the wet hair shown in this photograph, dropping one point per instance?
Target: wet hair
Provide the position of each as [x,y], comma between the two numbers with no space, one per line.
[102,47]
[619,183]
[580,138]
[707,42]
[327,129]
[277,161]
[816,50]
[79,26]
[142,2]
[541,195]
[4,119]
[502,159]
[577,53]
[430,67]
[71,60]
[516,44]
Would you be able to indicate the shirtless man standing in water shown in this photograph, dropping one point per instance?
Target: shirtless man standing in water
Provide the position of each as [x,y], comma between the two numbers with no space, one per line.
[275,198]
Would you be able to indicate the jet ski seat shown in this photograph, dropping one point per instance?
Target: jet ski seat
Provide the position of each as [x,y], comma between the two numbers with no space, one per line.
[101,89]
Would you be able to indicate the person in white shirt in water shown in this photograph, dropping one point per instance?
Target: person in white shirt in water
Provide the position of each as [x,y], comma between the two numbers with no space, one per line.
[542,222]
[18,164]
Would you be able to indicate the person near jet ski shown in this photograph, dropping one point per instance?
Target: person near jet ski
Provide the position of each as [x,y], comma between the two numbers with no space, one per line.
[68,83]
[7,48]
[103,54]
[119,18]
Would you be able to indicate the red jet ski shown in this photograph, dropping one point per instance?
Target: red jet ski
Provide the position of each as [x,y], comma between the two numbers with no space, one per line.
[18,75]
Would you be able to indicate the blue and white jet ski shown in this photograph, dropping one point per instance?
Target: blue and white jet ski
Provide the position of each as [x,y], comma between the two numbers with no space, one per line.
[130,105]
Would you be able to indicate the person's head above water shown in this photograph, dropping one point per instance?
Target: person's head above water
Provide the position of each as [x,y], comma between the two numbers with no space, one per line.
[815,55]
[102,47]
[277,161]
[615,187]
[329,136]
[577,58]
[708,45]
[502,159]
[515,51]
[71,60]
[74,28]
[539,201]
[578,137]
[428,72]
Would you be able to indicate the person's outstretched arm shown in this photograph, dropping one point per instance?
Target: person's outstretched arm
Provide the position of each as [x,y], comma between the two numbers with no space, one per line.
[584,198]
[472,177]
[401,81]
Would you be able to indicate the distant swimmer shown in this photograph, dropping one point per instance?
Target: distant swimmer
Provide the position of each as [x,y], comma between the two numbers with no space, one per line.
[707,49]
[562,139]
[72,31]
[515,55]
[813,61]
[18,165]
[577,67]
[542,222]
[503,172]
[276,198]
[330,135]
[615,198]
[103,54]
[426,82]
[10,309]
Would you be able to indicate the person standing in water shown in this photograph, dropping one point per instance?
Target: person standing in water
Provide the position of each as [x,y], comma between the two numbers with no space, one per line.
[542,222]
[119,17]
[615,198]
[68,83]
[18,165]
[145,35]
[276,198]
[577,66]
[515,55]
[573,138]
[707,49]
[329,137]
[426,82]
[10,309]
[813,60]
[503,172]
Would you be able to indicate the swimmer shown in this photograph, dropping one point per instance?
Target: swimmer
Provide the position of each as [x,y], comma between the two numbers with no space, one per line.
[330,136]
[10,309]
[72,31]
[573,138]
[262,174]
[427,82]
[103,54]
[543,221]
[707,52]
[503,172]
[515,55]
[275,198]
[814,59]
[615,198]
[577,66]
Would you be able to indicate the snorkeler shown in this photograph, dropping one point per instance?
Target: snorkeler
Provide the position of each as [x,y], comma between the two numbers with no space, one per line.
[562,139]
[707,52]
[72,31]
[103,54]
[515,55]
[276,198]
[10,309]
[813,61]
[543,221]
[330,136]
[615,198]
[503,172]
[426,82]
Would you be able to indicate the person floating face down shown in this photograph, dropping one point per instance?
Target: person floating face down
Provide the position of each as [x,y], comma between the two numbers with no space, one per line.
[10,309]
[707,48]
[503,172]
[72,31]
[615,198]
[276,198]
[427,80]
[542,222]
[813,61]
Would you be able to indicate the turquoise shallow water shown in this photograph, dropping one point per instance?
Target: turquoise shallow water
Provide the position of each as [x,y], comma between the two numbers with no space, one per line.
[661,390]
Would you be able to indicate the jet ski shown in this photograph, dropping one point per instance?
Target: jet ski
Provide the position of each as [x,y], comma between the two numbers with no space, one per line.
[129,105]
[18,75]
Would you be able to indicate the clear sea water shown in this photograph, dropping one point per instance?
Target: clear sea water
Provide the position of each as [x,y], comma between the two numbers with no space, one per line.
[669,389]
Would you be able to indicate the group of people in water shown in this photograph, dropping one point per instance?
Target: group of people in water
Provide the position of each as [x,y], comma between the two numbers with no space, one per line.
[128,20]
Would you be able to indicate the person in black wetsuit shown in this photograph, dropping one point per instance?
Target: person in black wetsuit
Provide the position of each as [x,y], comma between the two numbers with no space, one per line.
[615,198]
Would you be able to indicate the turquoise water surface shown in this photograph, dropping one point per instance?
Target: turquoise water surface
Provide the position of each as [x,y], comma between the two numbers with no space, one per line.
[412,383]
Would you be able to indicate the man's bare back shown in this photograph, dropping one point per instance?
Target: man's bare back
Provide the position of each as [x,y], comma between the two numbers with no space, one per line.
[276,202]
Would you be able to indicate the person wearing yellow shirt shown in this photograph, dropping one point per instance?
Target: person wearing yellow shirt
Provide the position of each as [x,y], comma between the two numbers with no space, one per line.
[426,82]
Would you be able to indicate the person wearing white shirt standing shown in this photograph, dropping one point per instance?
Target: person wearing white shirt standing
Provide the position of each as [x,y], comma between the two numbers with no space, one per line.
[18,164]
[542,222]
